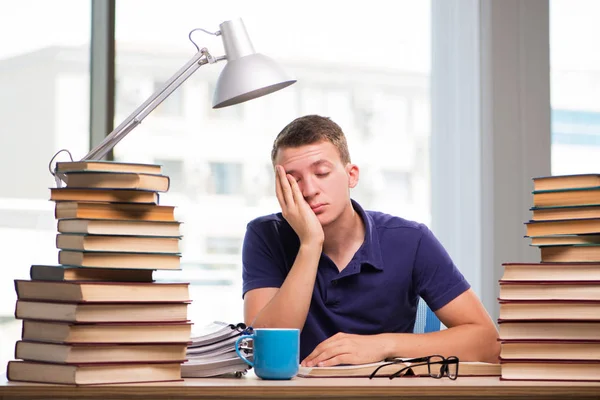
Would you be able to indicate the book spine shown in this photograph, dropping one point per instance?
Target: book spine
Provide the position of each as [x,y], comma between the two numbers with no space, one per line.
[9,370]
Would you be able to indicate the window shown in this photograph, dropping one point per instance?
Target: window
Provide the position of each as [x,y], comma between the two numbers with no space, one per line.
[226,178]
[345,70]
[175,171]
[223,245]
[327,100]
[421,116]
[130,92]
[173,105]
[390,116]
[268,178]
[44,107]
[398,185]
[273,111]
[575,84]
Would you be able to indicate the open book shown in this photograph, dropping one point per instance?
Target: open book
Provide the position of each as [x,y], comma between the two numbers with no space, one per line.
[419,369]
[215,332]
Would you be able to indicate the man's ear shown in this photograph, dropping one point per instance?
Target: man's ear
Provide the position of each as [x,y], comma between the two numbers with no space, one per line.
[353,173]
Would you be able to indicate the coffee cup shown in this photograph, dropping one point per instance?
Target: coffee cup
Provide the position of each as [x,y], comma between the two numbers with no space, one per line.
[276,352]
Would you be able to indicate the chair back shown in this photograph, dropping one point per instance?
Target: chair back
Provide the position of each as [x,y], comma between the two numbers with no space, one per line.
[426,320]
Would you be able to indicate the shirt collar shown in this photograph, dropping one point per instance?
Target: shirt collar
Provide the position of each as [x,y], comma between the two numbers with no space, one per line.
[369,252]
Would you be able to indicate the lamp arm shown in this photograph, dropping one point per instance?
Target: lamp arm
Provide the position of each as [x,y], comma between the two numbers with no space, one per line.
[135,118]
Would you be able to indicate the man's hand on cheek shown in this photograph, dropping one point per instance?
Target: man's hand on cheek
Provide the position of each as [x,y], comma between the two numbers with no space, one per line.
[296,210]
[344,348]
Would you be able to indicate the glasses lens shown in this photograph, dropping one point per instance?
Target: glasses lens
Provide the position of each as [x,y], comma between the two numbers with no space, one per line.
[452,367]
[436,366]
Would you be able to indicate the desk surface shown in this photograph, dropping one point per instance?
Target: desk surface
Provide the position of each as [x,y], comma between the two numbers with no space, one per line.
[250,387]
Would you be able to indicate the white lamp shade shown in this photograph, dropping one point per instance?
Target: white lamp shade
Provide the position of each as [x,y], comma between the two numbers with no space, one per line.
[247,74]
[247,78]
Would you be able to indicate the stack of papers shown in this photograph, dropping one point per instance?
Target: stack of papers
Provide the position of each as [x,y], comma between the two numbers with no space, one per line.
[212,352]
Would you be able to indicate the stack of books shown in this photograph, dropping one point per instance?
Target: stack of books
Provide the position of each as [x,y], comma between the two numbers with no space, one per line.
[99,317]
[212,352]
[550,311]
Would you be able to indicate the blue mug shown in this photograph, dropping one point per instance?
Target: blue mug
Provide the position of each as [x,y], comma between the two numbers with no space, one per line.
[276,352]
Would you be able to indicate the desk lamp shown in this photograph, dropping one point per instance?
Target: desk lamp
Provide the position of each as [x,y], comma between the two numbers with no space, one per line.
[246,76]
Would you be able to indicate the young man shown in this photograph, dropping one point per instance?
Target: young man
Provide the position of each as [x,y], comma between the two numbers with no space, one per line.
[349,278]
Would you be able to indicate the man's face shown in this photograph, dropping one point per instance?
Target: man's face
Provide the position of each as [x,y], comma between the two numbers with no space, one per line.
[322,177]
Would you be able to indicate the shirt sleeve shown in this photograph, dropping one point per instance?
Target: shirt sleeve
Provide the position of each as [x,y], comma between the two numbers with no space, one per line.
[437,280]
[259,267]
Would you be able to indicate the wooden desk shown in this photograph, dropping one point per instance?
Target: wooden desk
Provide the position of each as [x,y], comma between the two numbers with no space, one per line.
[251,387]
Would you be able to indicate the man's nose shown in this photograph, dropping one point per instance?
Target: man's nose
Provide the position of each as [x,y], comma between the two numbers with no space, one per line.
[309,188]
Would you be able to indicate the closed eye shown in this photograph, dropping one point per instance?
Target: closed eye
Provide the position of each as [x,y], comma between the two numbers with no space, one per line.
[322,175]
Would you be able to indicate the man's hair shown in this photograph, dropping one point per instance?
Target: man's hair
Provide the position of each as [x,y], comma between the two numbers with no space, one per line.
[311,129]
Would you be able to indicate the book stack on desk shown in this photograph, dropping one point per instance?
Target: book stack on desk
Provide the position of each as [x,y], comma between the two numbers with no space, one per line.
[99,317]
[550,311]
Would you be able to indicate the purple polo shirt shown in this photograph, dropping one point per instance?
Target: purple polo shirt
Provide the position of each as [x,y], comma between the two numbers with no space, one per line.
[378,290]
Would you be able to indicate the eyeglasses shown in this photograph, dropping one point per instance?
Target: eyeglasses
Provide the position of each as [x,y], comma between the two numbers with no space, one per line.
[437,366]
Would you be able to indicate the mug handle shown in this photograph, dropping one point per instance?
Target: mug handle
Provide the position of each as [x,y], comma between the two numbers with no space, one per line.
[237,350]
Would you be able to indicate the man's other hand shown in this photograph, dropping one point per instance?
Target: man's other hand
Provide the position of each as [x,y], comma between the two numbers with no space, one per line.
[345,348]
